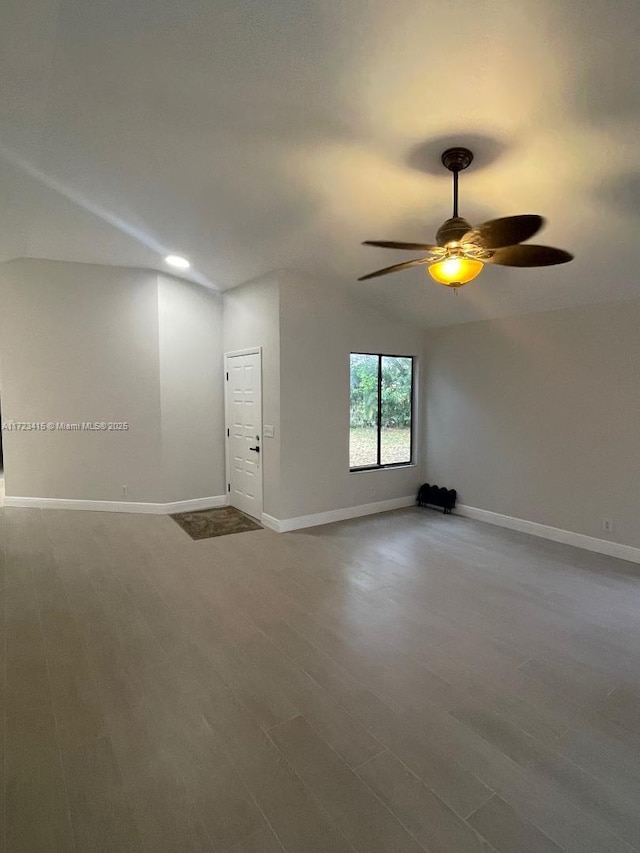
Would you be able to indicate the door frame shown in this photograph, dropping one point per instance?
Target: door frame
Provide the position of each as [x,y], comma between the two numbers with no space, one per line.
[234,354]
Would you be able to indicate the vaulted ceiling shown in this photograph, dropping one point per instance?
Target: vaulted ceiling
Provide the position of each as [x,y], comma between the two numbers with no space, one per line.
[251,135]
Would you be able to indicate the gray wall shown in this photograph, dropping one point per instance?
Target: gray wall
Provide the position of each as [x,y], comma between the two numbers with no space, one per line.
[79,342]
[252,319]
[320,326]
[538,417]
[191,389]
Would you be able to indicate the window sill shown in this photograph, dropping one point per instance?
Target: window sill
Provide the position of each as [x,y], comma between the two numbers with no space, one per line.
[383,468]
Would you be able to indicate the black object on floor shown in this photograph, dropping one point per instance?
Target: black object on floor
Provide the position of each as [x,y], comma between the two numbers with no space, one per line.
[437,496]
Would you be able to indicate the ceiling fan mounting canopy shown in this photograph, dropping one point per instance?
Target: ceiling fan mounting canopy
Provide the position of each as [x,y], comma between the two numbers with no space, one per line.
[457,159]
[460,251]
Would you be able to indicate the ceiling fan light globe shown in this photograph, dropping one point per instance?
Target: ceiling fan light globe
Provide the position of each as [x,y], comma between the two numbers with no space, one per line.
[455,271]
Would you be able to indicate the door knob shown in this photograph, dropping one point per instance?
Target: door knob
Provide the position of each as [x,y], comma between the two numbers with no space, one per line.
[256,449]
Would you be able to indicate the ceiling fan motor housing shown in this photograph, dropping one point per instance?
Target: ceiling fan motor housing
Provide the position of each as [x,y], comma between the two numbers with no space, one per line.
[452,231]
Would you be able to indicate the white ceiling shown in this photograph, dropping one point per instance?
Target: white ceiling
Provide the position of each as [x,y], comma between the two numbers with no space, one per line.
[252,135]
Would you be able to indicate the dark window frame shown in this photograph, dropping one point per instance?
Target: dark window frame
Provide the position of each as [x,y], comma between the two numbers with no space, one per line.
[379,465]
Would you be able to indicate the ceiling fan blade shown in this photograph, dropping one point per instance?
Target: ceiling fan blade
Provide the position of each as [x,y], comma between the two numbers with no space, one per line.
[530,256]
[396,268]
[391,244]
[506,231]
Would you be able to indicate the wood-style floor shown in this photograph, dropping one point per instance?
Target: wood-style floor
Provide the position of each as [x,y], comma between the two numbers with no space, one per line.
[395,684]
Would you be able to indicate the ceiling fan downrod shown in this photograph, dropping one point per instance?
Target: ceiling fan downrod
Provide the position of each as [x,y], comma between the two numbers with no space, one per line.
[456,160]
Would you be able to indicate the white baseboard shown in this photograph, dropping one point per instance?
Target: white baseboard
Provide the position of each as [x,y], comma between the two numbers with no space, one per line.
[285,525]
[117,506]
[556,534]
[213,502]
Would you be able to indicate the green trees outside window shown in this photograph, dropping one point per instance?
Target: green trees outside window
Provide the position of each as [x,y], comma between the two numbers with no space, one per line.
[381,410]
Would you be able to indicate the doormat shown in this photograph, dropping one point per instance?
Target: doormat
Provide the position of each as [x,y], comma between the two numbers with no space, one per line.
[206,523]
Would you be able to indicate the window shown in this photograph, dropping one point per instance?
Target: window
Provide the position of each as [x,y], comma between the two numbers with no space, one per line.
[381,412]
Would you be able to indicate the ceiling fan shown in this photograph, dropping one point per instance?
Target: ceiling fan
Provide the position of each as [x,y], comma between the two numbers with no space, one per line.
[461,251]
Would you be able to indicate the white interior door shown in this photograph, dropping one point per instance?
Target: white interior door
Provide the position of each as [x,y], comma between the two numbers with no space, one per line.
[244,432]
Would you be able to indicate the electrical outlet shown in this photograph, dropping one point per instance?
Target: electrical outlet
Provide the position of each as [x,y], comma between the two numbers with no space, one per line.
[124,491]
[607,525]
